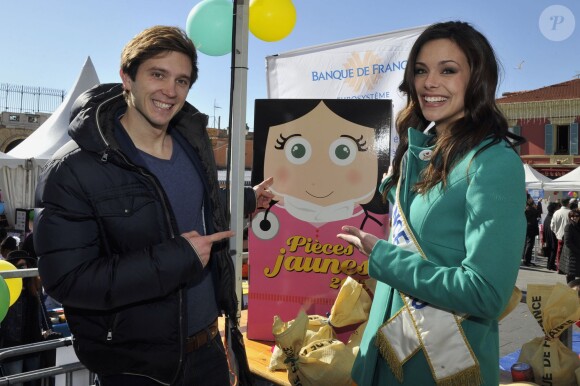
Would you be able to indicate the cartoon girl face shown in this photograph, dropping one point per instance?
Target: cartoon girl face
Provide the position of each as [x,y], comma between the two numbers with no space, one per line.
[322,159]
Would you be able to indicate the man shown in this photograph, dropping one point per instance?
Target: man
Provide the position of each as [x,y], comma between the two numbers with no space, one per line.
[550,240]
[558,223]
[133,235]
[532,230]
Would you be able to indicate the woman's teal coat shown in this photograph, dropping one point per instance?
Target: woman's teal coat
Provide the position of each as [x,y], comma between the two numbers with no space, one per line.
[473,236]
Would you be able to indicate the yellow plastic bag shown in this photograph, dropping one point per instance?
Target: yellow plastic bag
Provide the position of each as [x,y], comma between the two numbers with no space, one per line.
[352,304]
[308,346]
[314,363]
[555,308]
[317,328]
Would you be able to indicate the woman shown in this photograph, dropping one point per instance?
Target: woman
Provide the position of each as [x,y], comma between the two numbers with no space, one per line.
[569,260]
[458,226]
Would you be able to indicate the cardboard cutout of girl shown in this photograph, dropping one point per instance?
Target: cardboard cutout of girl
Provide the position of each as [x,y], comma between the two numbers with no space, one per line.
[327,158]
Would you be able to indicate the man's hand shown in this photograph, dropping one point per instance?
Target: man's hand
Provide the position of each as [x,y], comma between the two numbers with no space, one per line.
[202,244]
[263,195]
[363,241]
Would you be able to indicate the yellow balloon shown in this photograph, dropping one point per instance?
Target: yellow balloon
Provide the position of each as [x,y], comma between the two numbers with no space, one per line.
[271,20]
[14,284]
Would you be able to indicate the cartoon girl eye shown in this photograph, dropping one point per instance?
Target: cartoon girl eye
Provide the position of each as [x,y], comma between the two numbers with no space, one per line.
[297,149]
[343,150]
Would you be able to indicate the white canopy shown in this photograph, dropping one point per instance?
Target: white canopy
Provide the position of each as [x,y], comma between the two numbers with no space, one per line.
[568,182]
[53,133]
[21,166]
[10,161]
[535,179]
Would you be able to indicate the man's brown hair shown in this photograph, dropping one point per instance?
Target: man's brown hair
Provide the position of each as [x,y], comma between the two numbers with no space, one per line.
[155,41]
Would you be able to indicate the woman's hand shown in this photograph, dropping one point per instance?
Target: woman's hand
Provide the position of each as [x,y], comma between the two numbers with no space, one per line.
[363,241]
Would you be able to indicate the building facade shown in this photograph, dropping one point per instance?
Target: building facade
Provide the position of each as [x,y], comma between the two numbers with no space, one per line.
[548,118]
[23,110]
[15,127]
[220,142]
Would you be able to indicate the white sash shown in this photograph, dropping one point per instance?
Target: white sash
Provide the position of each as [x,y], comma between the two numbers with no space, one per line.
[421,326]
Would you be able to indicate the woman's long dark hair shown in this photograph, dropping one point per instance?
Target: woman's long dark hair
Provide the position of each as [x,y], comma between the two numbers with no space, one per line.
[482,118]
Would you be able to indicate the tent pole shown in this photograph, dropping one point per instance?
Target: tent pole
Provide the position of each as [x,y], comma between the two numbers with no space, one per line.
[238,138]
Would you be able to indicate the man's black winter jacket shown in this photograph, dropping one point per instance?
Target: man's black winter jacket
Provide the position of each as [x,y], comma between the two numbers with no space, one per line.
[108,247]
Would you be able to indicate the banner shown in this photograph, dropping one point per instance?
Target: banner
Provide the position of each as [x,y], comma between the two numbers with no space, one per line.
[327,157]
[370,67]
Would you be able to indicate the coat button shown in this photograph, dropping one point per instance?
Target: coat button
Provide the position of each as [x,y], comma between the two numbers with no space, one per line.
[425,155]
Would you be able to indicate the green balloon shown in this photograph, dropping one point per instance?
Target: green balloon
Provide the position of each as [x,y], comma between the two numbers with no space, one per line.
[4,298]
[209,26]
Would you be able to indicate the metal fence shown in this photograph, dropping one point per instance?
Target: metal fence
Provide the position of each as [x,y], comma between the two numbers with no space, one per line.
[28,99]
[45,374]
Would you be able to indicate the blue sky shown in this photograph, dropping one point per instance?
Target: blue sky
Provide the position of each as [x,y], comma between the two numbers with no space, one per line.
[46,42]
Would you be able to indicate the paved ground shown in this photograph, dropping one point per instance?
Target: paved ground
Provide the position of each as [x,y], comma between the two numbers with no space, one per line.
[520,326]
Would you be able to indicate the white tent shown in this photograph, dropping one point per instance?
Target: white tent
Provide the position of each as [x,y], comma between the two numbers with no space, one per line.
[568,182]
[21,166]
[535,179]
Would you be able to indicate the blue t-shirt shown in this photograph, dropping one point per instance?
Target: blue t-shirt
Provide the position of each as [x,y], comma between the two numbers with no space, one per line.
[183,186]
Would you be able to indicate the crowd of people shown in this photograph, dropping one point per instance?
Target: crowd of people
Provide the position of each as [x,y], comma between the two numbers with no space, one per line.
[559,237]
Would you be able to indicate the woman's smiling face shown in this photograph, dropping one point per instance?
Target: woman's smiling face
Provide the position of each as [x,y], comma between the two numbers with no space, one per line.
[441,77]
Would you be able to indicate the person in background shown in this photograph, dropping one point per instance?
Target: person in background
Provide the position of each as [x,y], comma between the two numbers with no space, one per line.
[450,265]
[28,242]
[570,257]
[532,229]
[22,323]
[559,221]
[550,239]
[544,202]
[28,246]
[8,245]
[540,209]
[133,234]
